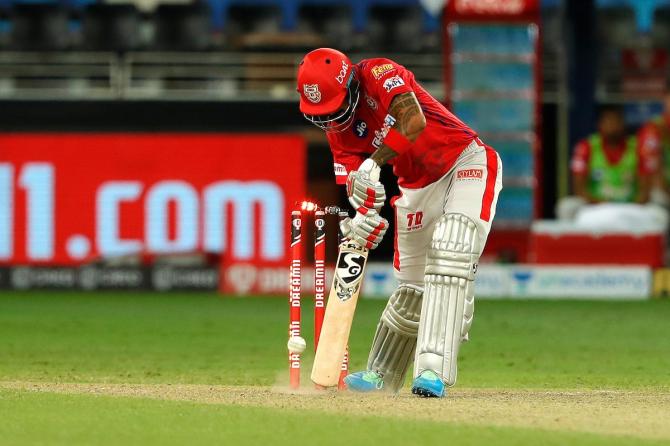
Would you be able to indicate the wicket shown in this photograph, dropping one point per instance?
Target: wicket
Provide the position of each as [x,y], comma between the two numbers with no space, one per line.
[295,293]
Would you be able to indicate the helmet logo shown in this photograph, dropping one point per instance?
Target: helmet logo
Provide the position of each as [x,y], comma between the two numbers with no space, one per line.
[343,72]
[312,92]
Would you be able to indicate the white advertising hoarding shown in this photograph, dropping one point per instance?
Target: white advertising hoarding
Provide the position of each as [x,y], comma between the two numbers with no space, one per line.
[533,281]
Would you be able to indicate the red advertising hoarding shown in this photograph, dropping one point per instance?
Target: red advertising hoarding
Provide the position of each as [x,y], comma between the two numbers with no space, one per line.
[644,73]
[70,198]
[503,9]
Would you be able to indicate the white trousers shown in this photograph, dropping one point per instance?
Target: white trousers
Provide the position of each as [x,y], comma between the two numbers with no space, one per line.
[471,188]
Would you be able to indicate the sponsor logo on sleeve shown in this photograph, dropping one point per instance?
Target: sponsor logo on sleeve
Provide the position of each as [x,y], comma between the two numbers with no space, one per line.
[380,134]
[340,170]
[470,174]
[380,70]
[312,93]
[393,82]
[389,121]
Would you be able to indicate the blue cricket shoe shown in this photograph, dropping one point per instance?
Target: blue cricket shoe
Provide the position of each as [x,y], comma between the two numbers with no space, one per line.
[428,384]
[366,381]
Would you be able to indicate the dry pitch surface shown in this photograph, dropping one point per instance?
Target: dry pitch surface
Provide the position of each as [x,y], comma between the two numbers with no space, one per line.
[639,414]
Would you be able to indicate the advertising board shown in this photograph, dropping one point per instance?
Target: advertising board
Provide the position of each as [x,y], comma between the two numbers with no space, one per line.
[66,199]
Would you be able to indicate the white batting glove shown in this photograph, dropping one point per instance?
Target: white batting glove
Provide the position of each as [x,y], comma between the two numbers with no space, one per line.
[367,230]
[364,190]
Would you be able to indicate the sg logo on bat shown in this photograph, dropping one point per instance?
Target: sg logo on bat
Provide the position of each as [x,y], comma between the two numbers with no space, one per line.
[349,272]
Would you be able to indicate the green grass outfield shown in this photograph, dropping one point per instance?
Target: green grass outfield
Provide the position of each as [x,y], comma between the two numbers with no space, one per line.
[533,356]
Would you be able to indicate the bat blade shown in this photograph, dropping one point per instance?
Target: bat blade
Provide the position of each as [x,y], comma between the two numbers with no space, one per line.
[339,315]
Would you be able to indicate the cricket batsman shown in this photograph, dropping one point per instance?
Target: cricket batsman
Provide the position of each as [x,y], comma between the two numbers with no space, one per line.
[375,113]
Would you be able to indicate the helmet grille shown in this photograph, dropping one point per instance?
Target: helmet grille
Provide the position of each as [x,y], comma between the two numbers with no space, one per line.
[341,119]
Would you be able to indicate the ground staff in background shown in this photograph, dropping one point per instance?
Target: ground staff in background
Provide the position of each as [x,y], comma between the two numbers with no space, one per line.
[654,137]
[609,167]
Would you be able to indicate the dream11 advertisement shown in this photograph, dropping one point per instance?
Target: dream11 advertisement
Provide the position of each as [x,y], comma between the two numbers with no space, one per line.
[68,199]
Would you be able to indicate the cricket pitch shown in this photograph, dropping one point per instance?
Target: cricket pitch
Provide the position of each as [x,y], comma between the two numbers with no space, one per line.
[640,414]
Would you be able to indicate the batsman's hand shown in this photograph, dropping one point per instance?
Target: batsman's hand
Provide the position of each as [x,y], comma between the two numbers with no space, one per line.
[364,190]
[367,230]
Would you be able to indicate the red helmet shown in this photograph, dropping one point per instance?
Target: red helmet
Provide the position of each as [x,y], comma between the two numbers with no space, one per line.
[328,88]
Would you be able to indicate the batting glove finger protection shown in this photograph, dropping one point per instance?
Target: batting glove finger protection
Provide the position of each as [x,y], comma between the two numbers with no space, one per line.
[364,190]
[367,231]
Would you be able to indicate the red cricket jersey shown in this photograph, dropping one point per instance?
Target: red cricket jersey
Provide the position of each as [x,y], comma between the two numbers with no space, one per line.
[650,137]
[433,153]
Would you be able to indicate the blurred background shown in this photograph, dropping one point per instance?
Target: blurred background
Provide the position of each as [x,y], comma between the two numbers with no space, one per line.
[157,144]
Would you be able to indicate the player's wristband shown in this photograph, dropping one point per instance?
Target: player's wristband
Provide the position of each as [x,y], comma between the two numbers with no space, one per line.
[397,141]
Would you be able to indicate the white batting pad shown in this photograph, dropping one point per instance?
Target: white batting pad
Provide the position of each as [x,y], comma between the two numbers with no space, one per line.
[395,339]
[448,303]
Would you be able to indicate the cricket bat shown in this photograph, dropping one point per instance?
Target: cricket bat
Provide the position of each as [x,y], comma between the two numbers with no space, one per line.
[339,314]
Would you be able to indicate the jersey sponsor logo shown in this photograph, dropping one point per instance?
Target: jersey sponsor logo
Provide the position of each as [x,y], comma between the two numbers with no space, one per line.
[340,170]
[470,174]
[380,70]
[393,82]
[360,128]
[415,220]
[380,134]
[312,93]
[371,102]
[343,72]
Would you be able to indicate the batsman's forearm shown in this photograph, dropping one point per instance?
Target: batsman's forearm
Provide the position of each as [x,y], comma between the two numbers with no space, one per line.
[383,155]
[410,122]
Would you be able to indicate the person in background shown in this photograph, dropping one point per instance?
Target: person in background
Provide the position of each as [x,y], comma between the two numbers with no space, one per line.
[654,137]
[609,167]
